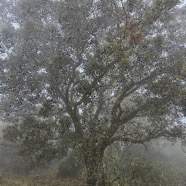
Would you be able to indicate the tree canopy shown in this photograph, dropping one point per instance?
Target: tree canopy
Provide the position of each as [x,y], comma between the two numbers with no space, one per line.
[84,74]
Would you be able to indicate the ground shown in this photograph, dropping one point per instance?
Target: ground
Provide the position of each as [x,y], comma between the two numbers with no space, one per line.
[38,180]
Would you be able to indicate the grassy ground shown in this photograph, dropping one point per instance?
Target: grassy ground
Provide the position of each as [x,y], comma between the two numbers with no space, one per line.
[38,180]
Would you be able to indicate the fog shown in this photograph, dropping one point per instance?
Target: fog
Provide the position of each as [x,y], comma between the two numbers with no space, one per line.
[161,151]
[92,92]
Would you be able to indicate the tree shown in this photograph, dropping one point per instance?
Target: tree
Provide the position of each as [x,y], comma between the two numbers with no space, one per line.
[84,74]
[137,164]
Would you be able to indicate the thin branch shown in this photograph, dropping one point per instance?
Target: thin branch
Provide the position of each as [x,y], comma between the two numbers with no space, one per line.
[118,122]
[100,105]
[161,132]
[94,83]
[129,90]
[140,141]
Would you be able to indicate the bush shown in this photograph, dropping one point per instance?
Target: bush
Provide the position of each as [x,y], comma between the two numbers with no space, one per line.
[137,171]
[70,166]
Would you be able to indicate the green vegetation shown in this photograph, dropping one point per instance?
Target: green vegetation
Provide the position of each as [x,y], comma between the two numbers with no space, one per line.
[139,172]
[71,166]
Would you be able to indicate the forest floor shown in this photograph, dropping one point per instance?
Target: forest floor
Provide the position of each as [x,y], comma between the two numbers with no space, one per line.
[39,180]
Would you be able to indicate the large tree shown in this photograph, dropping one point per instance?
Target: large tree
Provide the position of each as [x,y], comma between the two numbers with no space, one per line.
[84,74]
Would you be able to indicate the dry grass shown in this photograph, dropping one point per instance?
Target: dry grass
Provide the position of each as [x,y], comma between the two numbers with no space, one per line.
[39,180]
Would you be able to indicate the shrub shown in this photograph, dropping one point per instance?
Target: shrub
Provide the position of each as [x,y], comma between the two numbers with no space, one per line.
[70,166]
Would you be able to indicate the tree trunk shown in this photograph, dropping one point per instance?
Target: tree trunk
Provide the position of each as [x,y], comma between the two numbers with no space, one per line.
[94,167]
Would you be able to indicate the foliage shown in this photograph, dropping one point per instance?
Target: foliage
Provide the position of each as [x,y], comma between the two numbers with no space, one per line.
[138,171]
[71,166]
[148,173]
[38,144]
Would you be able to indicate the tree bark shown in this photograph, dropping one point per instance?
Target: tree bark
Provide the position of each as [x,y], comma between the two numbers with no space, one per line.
[94,167]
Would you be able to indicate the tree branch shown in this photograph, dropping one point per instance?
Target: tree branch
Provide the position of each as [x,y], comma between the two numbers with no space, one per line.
[129,90]
[94,83]
[118,122]
[99,106]
[148,138]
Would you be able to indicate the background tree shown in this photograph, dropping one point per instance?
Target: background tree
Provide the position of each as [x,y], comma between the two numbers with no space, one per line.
[152,164]
[84,74]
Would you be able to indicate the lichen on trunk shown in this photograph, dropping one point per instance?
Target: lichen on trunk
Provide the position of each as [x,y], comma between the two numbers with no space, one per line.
[94,166]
